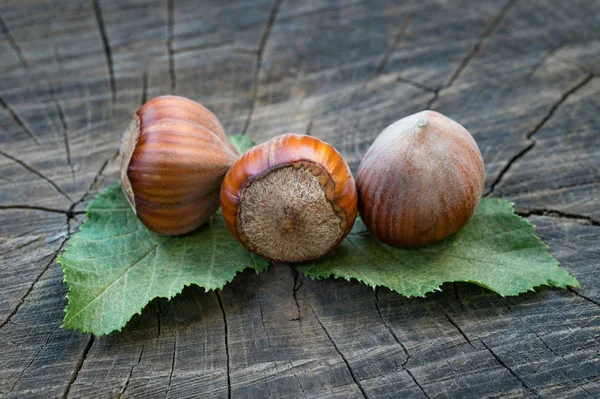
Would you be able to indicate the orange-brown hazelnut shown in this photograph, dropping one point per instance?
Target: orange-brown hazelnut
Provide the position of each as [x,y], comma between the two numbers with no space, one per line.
[175,155]
[420,181]
[291,199]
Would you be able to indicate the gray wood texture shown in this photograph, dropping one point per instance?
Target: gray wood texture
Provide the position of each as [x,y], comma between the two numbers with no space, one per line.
[522,75]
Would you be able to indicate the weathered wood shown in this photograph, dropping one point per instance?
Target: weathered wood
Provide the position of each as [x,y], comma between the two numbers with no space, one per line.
[522,76]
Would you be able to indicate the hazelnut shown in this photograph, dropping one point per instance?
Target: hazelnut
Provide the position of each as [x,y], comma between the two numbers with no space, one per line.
[291,199]
[175,155]
[420,181]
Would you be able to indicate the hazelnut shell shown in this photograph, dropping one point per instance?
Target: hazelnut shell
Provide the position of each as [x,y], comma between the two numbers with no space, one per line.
[304,154]
[420,181]
[174,157]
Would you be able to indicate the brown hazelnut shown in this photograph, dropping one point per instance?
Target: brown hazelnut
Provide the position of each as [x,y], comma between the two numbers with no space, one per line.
[420,181]
[291,199]
[175,155]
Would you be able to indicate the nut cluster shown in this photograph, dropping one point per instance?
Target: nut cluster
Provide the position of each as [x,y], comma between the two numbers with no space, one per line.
[293,198]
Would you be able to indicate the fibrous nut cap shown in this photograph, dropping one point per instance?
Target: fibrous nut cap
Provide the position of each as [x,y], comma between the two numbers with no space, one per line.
[290,199]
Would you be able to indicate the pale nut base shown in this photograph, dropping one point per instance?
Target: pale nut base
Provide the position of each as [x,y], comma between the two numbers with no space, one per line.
[286,215]
[128,143]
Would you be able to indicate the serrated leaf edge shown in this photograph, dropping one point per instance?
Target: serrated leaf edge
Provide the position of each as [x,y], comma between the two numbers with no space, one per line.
[177,291]
[531,230]
[61,261]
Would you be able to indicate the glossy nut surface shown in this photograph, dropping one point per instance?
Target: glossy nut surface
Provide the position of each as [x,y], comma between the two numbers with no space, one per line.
[290,199]
[174,157]
[420,181]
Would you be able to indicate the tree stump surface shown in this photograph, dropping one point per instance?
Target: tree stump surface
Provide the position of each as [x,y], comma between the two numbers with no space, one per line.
[521,75]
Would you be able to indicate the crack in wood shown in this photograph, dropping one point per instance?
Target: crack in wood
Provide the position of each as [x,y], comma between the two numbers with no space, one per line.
[78,367]
[170,38]
[262,319]
[543,342]
[21,245]
[51,92]
[172,366]
[531,135]
[455,287]
[434,98]
[582,68]
[511,371]
[384,61]
[504,302]
[456,326]
[259,60]
[498,359]
[13,43]
[92,185]
[394,47]
[416,382]
[39,276]
[131,373]
[33,208]
[356,381]
[489,29]
[379,69]
[416,85]
[23,60]
[107,49]
[33,81]
[63,122]
[226,345]
[580,295]
[19,121]
[389,328]
[158,315]
[298,381]
[408,355]
[32,360]
[587,220]
[506,167]
[297,284]
[542,61]
[70,229]
[561,100]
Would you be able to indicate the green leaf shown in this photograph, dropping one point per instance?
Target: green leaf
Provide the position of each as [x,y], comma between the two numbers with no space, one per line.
[114,265]
[241,142]
[496,250]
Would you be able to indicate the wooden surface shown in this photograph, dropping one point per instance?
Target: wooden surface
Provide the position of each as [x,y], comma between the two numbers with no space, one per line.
[522,76]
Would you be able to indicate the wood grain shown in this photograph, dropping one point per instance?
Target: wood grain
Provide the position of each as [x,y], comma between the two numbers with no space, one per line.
[521,75]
